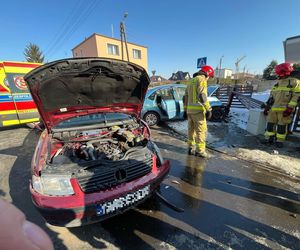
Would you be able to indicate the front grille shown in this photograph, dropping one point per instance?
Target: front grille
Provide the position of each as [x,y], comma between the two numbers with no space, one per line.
[103,177]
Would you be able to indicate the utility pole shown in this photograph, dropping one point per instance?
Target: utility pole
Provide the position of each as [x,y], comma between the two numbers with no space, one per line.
[112,31]
[123,37]
[219,70]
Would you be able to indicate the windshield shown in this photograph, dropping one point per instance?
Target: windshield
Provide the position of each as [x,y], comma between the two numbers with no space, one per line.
[210,90]
[92,120]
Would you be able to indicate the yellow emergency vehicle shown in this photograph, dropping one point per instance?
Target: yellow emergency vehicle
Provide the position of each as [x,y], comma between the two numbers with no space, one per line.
[16,104]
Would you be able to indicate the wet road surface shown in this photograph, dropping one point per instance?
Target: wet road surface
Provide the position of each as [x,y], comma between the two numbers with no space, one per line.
[227,203]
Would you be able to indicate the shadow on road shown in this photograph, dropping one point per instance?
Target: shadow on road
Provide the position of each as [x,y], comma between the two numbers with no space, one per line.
[2,193]
[212,225]
[269,195]
[204,223]
[230,222]
[234,229]
[19,177]
[136,230]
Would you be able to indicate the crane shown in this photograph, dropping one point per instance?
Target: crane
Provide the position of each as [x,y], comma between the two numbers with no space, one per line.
[237,65]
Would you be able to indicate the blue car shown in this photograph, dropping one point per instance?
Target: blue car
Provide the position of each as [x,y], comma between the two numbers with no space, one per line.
[165,102]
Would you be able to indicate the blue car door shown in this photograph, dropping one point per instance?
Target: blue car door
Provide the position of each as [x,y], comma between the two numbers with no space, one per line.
[168,103]
[179,93]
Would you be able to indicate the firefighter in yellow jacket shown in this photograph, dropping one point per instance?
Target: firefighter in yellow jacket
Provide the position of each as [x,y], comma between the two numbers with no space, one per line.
[198,110]
[280,106]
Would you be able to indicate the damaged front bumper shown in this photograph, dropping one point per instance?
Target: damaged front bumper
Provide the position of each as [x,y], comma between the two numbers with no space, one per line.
[85,208]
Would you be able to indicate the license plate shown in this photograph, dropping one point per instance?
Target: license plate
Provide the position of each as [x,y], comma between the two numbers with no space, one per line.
[122,202]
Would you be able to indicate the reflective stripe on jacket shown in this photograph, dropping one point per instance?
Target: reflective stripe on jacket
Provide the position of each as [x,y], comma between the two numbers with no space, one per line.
[296,95]
[196,87]
[285,93]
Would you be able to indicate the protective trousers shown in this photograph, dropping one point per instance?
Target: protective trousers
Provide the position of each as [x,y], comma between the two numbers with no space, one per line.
[197,129]
[277,125]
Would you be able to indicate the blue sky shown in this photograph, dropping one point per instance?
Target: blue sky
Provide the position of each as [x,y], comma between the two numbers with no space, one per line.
[175,32]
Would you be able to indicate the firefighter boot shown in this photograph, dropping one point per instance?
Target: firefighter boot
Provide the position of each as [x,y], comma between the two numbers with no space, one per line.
[201,154]
[268,141]
[190,151]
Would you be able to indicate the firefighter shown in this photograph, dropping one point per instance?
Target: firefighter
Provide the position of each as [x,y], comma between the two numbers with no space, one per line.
[198,110]
[281,104]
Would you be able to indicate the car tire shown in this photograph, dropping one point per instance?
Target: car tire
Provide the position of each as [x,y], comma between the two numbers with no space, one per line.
[151,118]
[217,114]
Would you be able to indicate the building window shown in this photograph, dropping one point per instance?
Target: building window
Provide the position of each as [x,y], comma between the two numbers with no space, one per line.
[137,54]
[113,49]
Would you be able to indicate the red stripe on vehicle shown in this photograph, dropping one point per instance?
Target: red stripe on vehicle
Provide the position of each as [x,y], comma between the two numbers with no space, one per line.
[20,105]
[25,105]
[2,89]
[24,65]
[7,106]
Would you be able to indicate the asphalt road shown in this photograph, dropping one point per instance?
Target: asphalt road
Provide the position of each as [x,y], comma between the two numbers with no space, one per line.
[227,203]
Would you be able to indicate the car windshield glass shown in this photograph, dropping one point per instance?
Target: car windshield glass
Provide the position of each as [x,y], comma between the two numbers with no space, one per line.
[166,93]
[92,119]
[210,89]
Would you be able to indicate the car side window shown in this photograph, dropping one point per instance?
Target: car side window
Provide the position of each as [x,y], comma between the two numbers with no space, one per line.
[152,96]
[179,93]
[166,94]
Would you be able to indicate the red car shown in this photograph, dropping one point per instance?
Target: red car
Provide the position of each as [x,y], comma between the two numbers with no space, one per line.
[95,158]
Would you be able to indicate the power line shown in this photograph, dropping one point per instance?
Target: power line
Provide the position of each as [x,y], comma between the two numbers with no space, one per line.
[82,17]
[77,16]
[68,21]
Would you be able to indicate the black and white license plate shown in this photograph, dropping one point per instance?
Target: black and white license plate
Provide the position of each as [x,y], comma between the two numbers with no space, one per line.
[122,202]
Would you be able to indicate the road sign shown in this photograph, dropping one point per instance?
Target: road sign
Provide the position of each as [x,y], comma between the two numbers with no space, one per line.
[201,62]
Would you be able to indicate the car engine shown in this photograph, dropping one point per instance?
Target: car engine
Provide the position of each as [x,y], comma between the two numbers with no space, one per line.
[108,143]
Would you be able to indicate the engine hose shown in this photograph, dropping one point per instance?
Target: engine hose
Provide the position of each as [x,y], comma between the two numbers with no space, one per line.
[94,139]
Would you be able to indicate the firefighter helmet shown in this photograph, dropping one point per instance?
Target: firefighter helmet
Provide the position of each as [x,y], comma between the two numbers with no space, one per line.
[208,70]
[284,69]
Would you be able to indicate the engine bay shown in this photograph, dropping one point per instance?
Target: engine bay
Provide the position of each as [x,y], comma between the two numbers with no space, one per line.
[110,143]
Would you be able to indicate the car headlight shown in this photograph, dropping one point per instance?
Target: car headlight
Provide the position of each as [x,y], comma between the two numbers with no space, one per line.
[52,185]
[157,152]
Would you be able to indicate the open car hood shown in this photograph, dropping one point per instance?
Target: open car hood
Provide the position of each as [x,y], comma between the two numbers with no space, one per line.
[71,87]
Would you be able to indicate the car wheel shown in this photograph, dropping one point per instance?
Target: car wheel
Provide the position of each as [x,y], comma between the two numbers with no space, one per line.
[217,114]
[151,118]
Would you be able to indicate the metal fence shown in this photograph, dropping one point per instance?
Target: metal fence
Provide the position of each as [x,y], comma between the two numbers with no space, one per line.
[236,97]
[295,127]
[240,97]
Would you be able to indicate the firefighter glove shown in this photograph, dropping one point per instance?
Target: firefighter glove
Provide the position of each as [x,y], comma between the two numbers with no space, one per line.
[208,115]
[287,112]
[263,106]
[184,115]
[266,110]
